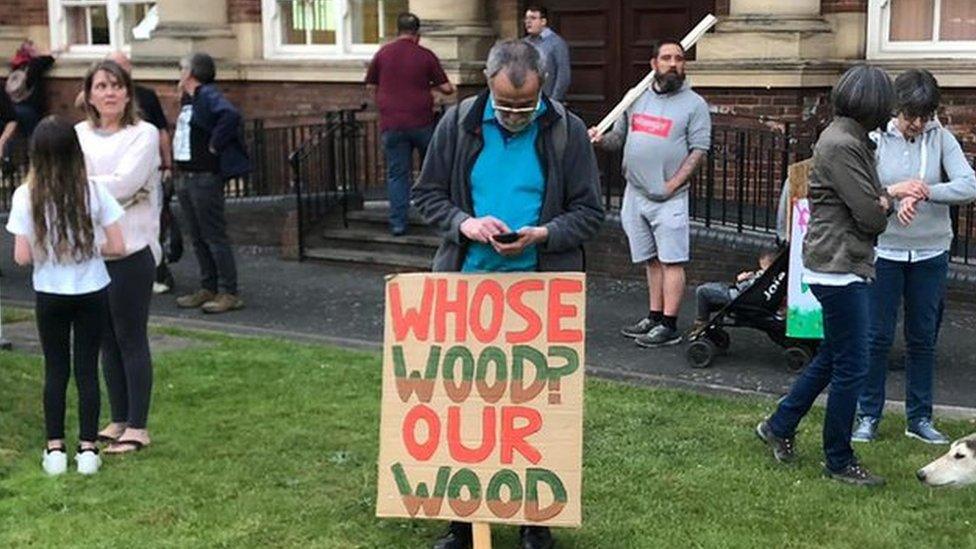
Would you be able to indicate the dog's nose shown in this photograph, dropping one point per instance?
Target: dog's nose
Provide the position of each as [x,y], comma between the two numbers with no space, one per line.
[920,475]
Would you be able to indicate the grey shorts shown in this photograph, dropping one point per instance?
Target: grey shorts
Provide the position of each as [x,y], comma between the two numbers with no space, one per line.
[656,229]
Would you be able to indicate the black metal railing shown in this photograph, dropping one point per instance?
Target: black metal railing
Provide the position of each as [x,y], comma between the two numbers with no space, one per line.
[326,171]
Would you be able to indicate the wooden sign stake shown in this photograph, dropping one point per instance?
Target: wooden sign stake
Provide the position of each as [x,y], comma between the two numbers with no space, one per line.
[481,532]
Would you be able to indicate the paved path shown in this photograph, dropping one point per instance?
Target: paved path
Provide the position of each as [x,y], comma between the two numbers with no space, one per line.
[343,304]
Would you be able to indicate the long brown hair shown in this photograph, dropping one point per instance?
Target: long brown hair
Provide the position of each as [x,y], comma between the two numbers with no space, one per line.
[130,116]
[59,196]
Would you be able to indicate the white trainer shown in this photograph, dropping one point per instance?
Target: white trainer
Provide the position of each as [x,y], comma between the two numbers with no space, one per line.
[55,462]
[88,461]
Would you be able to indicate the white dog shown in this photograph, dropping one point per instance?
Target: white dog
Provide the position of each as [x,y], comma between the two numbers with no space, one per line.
[956,468]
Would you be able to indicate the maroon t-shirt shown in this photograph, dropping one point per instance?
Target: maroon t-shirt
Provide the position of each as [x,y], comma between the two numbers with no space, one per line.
[404,72]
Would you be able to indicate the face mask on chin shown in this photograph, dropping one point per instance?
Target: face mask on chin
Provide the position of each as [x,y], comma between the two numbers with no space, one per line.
[523,122]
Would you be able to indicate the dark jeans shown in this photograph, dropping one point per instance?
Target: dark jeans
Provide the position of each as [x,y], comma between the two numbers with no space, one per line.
[57,316]
[398,146]
[201,197]
[841,362]
[711,297]
[923,286]
[126,361]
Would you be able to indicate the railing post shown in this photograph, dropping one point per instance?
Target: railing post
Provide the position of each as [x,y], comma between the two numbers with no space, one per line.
[740,175]
[710,182]
[296,175]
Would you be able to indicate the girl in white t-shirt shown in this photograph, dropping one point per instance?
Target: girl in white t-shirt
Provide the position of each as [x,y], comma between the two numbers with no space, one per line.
[64,225]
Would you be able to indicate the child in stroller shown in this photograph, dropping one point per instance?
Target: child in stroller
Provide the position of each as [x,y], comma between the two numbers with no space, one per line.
[754,301]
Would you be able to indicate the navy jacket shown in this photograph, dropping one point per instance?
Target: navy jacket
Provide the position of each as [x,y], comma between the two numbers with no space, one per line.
[221,120]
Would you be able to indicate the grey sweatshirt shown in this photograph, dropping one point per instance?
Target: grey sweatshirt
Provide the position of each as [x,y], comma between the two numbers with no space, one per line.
[657,133]
[936,158]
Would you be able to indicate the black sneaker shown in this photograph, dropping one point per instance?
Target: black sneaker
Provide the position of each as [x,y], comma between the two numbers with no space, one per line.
[458,536]
[784,449]
[536,537]
[856,475]
[659,336]
[642,326]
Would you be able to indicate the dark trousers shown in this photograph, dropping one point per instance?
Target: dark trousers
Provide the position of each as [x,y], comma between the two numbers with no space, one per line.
[57,317]
[201,197]
[711,297]
[922,285]
[841,362]
[398,146]
[126,362]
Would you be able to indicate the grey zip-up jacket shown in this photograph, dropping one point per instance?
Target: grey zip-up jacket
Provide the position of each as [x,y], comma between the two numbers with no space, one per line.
[936,158]
[571,207]
[845,215]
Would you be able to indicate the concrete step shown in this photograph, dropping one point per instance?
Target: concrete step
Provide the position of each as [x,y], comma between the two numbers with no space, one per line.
[398,261]
[378,239]
[371,217]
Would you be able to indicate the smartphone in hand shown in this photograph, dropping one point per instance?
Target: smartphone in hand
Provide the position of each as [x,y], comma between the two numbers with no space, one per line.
[506,238]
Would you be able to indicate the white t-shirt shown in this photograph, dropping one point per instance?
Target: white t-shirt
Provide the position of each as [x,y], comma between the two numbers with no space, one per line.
[67,277]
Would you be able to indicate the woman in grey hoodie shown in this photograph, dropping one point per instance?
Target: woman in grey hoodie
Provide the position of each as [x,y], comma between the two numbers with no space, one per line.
[914,153]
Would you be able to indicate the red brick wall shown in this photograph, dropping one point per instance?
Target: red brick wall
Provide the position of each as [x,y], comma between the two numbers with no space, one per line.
[843,6]
[23,12]
[244,11]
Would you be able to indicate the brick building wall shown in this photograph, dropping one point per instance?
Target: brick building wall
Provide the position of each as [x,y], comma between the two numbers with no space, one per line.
[23,12]
[244,11]
[843,6]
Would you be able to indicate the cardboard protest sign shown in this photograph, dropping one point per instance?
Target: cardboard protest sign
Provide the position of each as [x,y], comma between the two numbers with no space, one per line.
[804,318]
[482,413]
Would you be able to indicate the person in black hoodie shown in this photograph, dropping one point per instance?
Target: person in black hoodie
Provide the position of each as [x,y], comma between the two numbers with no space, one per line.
[25,85]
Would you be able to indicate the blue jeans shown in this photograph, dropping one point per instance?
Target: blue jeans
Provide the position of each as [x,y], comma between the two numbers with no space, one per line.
[841,362]
[398,146]
[923,287]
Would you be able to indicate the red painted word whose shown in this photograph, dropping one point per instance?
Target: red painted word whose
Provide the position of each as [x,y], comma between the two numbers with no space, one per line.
[443,298]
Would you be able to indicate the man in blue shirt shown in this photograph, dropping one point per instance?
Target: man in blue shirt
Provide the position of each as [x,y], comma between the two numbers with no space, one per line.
[511,181]
[552,47]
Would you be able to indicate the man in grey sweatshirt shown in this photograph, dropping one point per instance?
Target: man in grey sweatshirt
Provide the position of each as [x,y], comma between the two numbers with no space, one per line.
[665,135]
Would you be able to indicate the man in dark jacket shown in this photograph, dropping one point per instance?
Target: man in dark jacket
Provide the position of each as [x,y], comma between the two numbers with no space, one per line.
[511,182]
[208,149]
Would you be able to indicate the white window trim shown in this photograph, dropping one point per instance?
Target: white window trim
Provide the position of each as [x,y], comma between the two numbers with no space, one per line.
[342,50]
[59,28]
[879,47]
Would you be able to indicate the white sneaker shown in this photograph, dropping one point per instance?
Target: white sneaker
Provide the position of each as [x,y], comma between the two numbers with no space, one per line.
[55,462]
[88,461]
[160,288]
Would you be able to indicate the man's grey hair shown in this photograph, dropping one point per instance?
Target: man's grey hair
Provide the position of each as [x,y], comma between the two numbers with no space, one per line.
[517,59]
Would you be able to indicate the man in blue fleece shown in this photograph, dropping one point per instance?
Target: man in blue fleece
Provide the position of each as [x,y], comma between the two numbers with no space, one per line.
[665,135]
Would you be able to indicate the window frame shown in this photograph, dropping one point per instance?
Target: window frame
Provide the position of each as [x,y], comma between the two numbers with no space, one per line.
[343,49]
[58,16]
[880,47]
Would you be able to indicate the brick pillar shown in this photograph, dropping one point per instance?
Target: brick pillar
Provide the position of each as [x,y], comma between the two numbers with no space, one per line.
[187,26]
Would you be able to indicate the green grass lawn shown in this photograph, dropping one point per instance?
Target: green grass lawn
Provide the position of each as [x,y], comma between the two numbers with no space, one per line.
[263,443]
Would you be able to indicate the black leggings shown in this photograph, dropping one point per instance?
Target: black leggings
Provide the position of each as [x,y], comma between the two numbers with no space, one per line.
[125,348]
[57,315]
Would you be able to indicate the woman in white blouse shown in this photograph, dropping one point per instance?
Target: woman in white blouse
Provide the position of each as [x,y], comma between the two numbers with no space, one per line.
[122,153]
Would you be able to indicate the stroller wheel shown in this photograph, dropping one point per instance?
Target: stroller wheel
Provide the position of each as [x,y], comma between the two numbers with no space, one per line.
[797,359]
[700,353]
[720,338]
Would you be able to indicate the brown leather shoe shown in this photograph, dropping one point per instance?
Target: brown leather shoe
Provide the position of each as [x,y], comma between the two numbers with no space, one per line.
[223,303]
[194,300]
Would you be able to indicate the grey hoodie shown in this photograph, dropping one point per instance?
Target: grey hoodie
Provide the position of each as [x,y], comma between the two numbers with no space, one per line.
[660,130]
[935,157]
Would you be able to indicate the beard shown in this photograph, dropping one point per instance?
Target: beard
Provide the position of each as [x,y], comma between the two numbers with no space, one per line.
[669,82]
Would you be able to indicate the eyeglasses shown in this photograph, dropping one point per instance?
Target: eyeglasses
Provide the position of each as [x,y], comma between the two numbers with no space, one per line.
[516,110]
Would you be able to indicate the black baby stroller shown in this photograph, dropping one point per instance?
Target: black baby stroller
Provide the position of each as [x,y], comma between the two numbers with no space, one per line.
[758,307]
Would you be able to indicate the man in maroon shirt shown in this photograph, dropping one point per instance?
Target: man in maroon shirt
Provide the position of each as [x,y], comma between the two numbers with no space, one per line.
[402,75]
